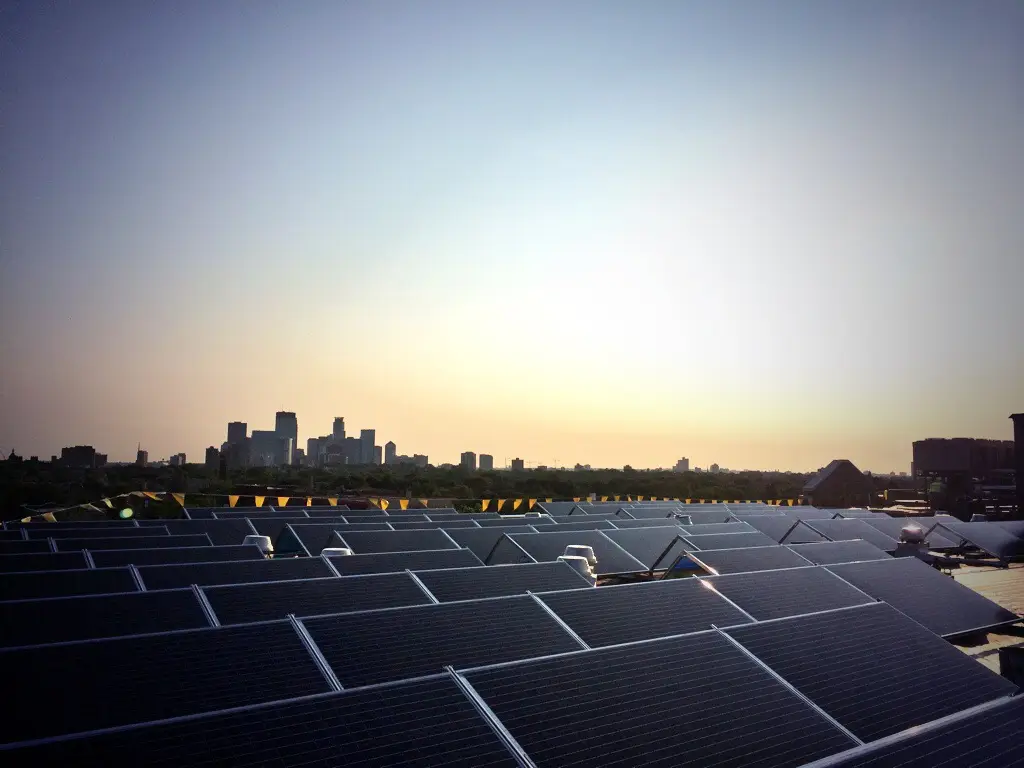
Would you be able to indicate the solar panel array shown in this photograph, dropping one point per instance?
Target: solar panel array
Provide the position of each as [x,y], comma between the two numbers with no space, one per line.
[776,655]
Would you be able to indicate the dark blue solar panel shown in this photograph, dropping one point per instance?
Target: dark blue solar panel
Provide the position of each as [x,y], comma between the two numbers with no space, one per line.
[98,581]
[829,552]
[873,669]
[24,547]
[925,595]
[362,542]
[498,580]
[691,701]
[629,612]
[410,725]
[33,622]
[611,558]
[309,597]
[989,537]
[783,529]
[483,540]
[748,559]
[656,548]
[58,531]
[159,556]
[389,562]
[697,530]
[103,683]
[729,540]
[42,561]
[237,572]
[131,542]
[221,532]
[379,646]
[773,594]
[849,530]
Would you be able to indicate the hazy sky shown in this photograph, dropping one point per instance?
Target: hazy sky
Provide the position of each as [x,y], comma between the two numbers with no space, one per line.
[763,234]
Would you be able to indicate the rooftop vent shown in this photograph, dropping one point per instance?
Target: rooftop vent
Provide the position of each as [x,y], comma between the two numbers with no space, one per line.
[263,542]
[976,518]
[336,551]
[912,534]
[581,566]
[580,550]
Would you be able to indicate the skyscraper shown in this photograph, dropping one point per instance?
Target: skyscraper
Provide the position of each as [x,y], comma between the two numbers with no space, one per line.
[390,451]
[683,465]
[468,461]
[339,429]
[352,452]
[212,458]
[367,439]
[237,431]
[286,425]
[486,462]
[518,465]
[270,449]
[377,455]
[141,458]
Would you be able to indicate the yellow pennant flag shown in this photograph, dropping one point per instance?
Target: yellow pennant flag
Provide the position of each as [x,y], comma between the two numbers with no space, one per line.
[791,502]
[576,498]
[375,502]
[688,501]
[484,503]
[384,504]
[260,500]
[548,500]
[531,502]
[309,501]
[403,503]
[516,504]
[26,519]
[332,500]
[616,498]
[48,517]
[109,503]
[232,500]
[501,503]
[282,501]
[629,498]
[425,503]
[151,495]
[737,502]
[180,498]
[604,498]
[654,498]
[676,499]
[641,498]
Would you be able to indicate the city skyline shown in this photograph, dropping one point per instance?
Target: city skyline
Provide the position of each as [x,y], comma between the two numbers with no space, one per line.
[754,234]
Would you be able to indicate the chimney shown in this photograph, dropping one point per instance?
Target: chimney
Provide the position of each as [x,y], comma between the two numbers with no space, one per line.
[1018,460]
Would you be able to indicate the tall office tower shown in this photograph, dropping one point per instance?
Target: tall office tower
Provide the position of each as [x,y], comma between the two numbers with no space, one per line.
[142,458]
[468,461]
[339,429]
[212,458]
[237,431]
[367,439]
[683,465]
[390,451]
[352,452]
[377,455]
[518,465]
[313,451]
[486,462]
[286,425]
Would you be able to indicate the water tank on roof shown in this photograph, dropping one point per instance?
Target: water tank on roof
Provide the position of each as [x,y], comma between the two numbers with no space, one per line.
[336,551]
[580,550]
[263,542]
[581,566]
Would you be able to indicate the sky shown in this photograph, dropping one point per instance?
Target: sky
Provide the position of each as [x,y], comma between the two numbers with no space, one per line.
[760,234]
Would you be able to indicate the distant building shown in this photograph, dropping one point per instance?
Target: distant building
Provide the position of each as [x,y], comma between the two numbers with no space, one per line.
[378,457]
[468,461]
[78,457]
[390,452]
[840,484]
[518,465]
[177,460]
[314,449]
[367,438]
[419,459]
[298,457]
[338,432]
[352,451]
[287,425]
[212,458]
[974,457]
[486,462]
[101,460]
[235,455]
[238,431]
[142,458]
[714,468]
[683,465]
[269,449]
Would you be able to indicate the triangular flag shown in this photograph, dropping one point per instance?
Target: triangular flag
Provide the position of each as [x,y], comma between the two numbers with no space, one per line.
[260,500]
[576,498]
[676,499]
[403,503]
[629,498]
[180,498]
[641,498]
[282,501]
[151,495]
[48,517]
[109,503]
[309,501]
[232,500]
[425,503]
[548,500]
[604,498]
[501,503]
[484,503]
[332,500]
[516,504]
[375,502]
[791,502]
[616,498]
[384,504]
[687,501]
[90,507]
[26,519]
[701,501]
[654,498]
[531,502]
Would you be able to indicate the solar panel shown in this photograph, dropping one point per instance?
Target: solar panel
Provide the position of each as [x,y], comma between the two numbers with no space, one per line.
[253,513]
[482,540]
[873,669]
[477,516]
[555,507]
[236,572]
[988,736]
[150,677]
[989,537]
[400,525]
[506,522]
[653,522]
[611,558]
[781,528]
[362,542]
[642,611]
[17,525]
[640,513]
[748,559]
[707,528]
[36,584]
[829,552]
[13,535]
[810,513]
[849,530]
[309,538]
[925,595]
[656,548]
[729,540]
[32,622]
[852,514]
[42,561]
[221,532]
[409,725]
[686,701]
[380,646]
[774,594]
[132,542]
[157,556]
[200,513]
[389,562]
[24,547]
[1013,527]
[587,525]
[242,603]
[497,580]
[704,516]
[57,531]
[893,527]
